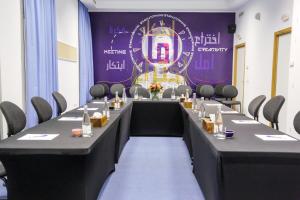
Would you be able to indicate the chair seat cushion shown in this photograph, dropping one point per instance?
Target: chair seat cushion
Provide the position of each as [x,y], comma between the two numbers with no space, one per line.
[231,102]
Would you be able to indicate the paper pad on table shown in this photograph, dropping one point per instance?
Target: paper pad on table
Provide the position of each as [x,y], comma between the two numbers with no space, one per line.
[98,102]
[212,104]
[275,137]
[70,119]
[245,122]
[230,112]
[91,109]
[38,137]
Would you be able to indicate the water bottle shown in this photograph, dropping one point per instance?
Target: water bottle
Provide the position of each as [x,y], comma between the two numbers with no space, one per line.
[136,95]
[173,96]
[117,101]
[106,108]
[219,123]
[194,103]
[124,97]
[86,124]
[187,96]
[202,108]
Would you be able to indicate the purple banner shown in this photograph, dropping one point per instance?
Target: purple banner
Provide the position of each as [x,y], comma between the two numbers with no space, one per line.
[170,48]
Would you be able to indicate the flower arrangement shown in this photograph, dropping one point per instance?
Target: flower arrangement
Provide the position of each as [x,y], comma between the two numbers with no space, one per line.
[155,88]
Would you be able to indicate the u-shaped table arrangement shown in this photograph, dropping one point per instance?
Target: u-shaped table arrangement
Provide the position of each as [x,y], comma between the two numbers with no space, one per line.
[67,168]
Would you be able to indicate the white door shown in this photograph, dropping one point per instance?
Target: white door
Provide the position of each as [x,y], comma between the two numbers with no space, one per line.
[240,73]
[284,45]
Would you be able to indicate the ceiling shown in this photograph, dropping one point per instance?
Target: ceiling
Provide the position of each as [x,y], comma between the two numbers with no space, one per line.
[165,5]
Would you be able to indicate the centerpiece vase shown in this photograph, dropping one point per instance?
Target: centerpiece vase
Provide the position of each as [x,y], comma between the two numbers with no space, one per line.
[155,96]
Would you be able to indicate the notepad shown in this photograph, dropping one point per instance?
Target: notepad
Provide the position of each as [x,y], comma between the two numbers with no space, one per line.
[70,119]
[245,122]
[90,109]
[275,137]
[38,137]
[230,112]
[213,104]
[98,102]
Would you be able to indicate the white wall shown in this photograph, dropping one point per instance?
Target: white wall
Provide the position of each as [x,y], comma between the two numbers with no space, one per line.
[259,37]
[12,82]
[294,75]
[11,55]
[67,32]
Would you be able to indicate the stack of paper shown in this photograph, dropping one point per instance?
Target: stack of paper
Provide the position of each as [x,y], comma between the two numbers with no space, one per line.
[213,104]
[98,102]
[38,137]
[275,137]
[91,109]
[245,122]
[70,119]
[230,112]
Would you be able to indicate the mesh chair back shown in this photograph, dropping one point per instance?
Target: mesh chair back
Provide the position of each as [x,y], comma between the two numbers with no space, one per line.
[97,91]
[42,108]
[272,108]
[182,89]
[106,88]
[255,105]
[168,93]
[143,92]
[117,87]
[297,122]
[132,89]
[207,91]
[198,89]
[14,116]
[230,91]
[61,102]
[219,90]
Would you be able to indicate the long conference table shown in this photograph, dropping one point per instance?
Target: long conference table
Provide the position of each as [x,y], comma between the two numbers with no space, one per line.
[244,167]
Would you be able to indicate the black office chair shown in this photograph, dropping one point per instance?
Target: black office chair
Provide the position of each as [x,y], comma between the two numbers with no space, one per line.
[97,91]
[106,88]
[61,102]
[198,89]
[297,122]
[207,91]
[132,89]
[16,122]
[168,93]
[42,108]
[3,174]
[182,90]
[14,116]
[229,93]
[117,88]
[255,105]
[219,92]
[143,92]
[272,109]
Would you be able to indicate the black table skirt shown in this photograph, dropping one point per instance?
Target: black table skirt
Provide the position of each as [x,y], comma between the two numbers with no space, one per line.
[244,168]
[241,175]
[156,118]
[123,132]
[61,177]
[186,131]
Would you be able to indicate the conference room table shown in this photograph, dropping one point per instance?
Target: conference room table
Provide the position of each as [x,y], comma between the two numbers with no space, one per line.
[244,167]
[65,168]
